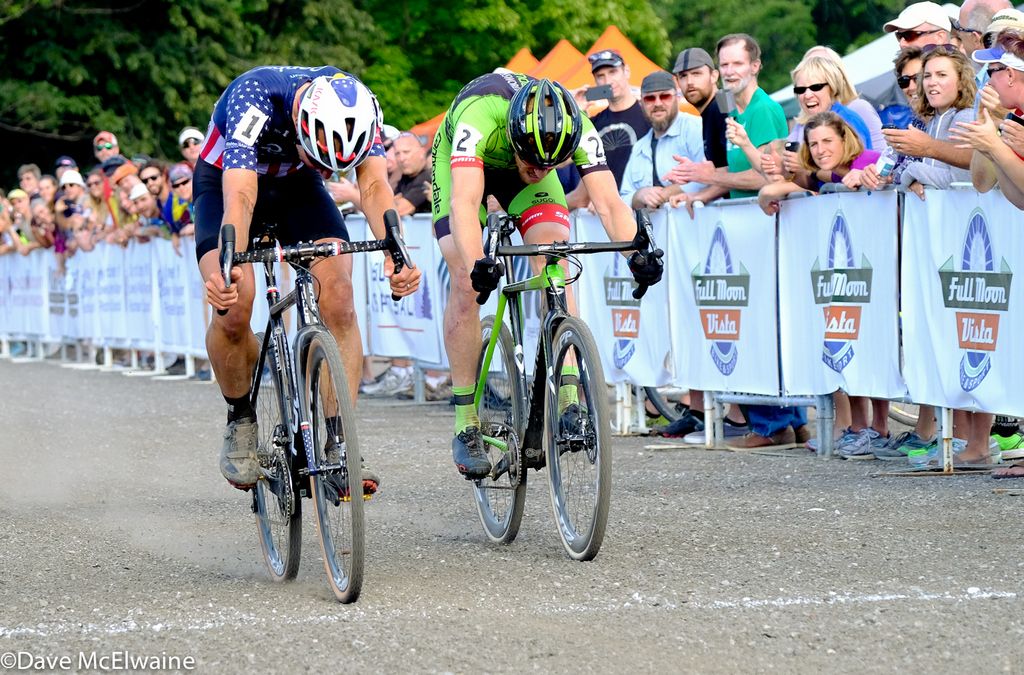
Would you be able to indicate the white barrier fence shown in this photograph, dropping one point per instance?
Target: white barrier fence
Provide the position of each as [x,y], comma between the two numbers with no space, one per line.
[801,304]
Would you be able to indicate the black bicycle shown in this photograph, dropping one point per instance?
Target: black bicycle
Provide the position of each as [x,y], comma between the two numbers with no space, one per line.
[308,446]
[561,419]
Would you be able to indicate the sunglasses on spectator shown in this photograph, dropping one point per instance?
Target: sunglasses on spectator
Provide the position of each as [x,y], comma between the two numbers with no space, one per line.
[189,143]
[911,35]
[660,96]
[94,183]
[817,86]
[904,80]
[150,178]
[992,70]
[104,146]
[942,49]
[960,28]
[180,183]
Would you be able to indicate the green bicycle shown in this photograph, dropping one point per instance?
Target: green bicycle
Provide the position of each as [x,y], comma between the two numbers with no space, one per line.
[559,421]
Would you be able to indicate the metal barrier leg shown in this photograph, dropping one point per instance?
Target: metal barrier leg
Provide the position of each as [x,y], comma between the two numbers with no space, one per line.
[825,418]
[946,431]
[418,392]
[712,420]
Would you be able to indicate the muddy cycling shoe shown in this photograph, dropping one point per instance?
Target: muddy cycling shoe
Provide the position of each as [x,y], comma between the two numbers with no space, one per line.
[238,462]
[573,421]
[371,481]
[468,453]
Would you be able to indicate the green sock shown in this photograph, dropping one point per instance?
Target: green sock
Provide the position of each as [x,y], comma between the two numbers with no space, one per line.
[568,391]
[465,411]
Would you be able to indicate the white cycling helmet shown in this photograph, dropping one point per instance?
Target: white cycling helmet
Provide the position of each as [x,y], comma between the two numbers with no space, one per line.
[339,120]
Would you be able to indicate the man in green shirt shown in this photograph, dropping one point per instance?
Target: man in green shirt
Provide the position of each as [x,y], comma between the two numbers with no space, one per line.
[739,62]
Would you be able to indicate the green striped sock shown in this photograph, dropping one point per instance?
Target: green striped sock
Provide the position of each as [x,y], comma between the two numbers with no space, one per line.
[465,411]
[568,391]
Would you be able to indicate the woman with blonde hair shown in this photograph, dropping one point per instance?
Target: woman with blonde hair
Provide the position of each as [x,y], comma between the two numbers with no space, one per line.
[852,99]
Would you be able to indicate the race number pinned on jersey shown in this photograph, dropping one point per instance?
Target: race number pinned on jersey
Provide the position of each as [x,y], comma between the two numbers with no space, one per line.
[464,147]
[591,144]
[250,125]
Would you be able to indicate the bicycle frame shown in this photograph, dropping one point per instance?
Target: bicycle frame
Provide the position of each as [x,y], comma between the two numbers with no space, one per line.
[275,343]
[551,280]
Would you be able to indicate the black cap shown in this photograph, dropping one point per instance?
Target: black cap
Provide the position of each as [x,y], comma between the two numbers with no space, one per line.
[112,164]
[605,57]
[659,80]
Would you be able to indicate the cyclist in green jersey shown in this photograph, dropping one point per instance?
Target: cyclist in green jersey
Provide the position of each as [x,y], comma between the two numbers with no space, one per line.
[502,136]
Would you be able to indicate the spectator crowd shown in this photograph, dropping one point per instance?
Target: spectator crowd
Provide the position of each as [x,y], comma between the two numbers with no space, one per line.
[704,131]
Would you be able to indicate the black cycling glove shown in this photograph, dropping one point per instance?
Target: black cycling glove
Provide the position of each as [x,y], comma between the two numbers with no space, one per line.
[647,268]
[486,274]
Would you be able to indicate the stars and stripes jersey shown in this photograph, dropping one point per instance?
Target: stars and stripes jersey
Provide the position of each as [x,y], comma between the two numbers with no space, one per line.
[252,126]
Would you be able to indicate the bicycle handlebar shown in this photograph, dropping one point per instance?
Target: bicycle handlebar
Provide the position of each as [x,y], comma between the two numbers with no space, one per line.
[302,251]
[498,224]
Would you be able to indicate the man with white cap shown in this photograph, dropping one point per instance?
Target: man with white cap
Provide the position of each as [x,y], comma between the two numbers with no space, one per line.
[190,140]
[72,202]
[920,24]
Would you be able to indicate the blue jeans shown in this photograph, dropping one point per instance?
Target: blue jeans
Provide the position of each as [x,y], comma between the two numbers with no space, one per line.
[767,420]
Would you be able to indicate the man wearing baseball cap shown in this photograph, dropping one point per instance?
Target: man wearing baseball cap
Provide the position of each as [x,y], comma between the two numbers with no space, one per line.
[105,146]
[920,24]
[697,78]
[190,140]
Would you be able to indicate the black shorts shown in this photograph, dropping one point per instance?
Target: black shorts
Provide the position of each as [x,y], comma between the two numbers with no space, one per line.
[299,204]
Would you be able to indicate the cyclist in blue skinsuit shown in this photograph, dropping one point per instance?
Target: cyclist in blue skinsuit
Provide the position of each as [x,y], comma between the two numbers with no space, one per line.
[276,133]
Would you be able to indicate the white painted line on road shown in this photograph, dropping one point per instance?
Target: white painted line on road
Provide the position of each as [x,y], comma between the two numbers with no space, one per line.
[236,618]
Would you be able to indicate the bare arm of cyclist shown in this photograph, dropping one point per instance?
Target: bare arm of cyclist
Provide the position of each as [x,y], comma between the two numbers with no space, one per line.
[376,197]
[614,213]
[467,195]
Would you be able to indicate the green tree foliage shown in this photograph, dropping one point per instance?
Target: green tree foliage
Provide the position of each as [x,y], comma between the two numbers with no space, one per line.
[430,54]
[145,68]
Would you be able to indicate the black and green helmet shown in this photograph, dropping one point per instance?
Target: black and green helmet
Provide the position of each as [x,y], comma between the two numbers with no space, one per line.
[544,123]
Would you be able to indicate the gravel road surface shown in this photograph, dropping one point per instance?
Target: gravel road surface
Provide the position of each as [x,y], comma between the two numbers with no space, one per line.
[119,536]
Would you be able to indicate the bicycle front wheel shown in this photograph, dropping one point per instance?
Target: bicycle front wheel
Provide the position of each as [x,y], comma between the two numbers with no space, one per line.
[278,512]
[577,440]
[501,496]
[337,486]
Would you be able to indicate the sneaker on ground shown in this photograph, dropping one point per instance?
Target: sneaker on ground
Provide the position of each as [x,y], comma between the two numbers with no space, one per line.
[468,454]
[857,444]
[935,451]
[894,450]
[389,385]
[177,368]
[1011,447]
[686,424]
[730,429]
[238,463]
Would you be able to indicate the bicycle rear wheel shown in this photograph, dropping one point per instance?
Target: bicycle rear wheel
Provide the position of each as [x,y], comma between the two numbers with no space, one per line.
[577,440]
[278,512]
[501,496]
[338,487]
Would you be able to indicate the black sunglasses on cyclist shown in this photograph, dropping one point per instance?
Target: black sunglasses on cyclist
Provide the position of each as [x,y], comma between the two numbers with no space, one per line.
[817,86]
[911,35]
[903,81]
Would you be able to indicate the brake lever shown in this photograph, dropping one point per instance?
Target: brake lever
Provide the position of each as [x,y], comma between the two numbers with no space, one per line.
[227,257]
[395,244]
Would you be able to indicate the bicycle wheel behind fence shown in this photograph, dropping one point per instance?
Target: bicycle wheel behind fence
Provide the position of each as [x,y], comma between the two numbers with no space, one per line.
[338,488]
[500,497]
[577,440]
[278,512]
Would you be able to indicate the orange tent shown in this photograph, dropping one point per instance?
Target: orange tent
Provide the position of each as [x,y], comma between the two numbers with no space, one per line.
[562,58]
[639,65]
[523,61]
